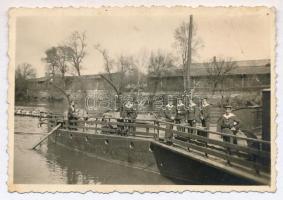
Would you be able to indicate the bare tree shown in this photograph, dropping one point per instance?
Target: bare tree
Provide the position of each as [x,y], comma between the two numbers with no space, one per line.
[76,50]
[142,63]
[51,60]
[218,70]
[127,70]
[57,60]
[159,64]
[72,52]
[125,73]
[187,44]
[108,65]
[63,58]
[23,73]
[62,62]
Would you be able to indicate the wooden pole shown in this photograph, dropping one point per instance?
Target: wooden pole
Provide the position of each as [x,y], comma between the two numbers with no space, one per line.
[50,133]
[189,55]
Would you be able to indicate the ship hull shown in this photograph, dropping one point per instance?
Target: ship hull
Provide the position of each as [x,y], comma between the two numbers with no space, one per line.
[148,155]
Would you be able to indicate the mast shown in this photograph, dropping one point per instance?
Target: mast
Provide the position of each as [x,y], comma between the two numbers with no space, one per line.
[189,56]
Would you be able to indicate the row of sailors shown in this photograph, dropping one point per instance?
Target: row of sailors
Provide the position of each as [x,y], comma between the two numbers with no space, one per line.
[178,114]
[172,113]
[128,114]
[228,123]
[188,114]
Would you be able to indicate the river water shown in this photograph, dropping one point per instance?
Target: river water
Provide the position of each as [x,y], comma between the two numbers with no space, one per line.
[51,164]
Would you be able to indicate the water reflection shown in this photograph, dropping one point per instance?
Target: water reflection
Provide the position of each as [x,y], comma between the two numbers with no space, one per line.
[80,169]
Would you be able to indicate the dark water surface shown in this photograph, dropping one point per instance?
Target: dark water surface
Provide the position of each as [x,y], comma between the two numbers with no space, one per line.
[51,164]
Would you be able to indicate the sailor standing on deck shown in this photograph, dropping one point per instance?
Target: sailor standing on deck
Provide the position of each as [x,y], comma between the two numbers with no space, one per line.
[72,109]
[72,115]
[170,115]
[191,114]
[205,113]
[181,114]
[229,124]
[204,117]
[121,120]
[130,113]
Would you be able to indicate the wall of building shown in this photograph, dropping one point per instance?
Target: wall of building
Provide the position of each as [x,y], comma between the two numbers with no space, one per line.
[251,82]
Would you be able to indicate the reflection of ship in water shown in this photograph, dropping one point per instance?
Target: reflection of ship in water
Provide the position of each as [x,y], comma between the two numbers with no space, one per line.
[69,163]
[83,169]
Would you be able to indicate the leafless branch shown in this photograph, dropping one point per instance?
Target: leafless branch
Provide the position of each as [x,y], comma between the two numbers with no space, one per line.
[217,71]
[108,62]
[76,49]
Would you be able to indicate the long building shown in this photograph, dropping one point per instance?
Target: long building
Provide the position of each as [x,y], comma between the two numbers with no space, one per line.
[250,76]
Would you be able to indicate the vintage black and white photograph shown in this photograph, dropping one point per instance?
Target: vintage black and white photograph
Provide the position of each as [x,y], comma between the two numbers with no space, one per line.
[115,97]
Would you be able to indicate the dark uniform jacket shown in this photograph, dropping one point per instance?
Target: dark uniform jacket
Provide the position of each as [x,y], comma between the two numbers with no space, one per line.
[191,112]
[205,113]
[228,121]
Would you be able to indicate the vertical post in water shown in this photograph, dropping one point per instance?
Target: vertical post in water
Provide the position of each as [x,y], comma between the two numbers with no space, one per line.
[96,125]
[266,116]
[266,121]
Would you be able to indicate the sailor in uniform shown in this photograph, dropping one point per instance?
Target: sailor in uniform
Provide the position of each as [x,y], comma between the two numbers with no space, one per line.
[204,116]
[229,124]
[72,115]
[130,113]
[191,114]
[181,114]
[170,115]
[121,128]
[205,113]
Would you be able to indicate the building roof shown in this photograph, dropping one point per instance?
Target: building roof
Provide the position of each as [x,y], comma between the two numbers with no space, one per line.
[88,76]
[242,67]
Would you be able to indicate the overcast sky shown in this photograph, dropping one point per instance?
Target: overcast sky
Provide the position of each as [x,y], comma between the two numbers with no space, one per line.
[237,35]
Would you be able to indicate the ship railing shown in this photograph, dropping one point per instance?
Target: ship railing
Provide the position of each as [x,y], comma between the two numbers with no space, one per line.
[255,155]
